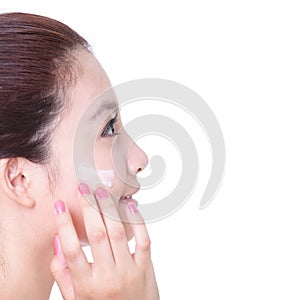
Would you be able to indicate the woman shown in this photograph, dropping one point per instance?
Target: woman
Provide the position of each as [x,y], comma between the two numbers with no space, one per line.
[48,78]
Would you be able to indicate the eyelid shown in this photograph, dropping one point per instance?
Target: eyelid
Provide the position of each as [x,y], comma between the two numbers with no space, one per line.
[115,116]
[110,118]
[112,121]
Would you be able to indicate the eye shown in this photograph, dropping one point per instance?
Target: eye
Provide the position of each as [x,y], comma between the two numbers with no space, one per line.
[109,130]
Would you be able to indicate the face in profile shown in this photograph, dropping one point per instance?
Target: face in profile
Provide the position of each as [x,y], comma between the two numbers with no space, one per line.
[113,150]
[30,189]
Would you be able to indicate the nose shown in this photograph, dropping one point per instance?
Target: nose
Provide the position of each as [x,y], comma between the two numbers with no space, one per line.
[137,159]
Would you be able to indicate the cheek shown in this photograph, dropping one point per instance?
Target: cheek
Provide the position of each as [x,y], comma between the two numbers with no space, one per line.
[43,217]
[72,201]
[103,153]
[77,219]
[66,190]
[108,155]
[110,159]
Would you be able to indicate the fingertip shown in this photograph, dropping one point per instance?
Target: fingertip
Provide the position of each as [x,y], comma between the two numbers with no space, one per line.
[132,208]
[101,193]
[59,207]
[84,189]
[133,214]
[62,276]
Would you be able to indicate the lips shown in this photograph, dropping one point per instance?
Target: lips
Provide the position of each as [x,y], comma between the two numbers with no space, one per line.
[128,199]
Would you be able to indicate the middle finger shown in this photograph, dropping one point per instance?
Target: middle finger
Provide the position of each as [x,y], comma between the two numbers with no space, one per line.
[95,229]
[114,227]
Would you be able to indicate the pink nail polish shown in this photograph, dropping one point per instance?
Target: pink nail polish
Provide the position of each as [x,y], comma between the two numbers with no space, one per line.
[58,252]
[60,207]
[101,193]
[131,206]
[84,189]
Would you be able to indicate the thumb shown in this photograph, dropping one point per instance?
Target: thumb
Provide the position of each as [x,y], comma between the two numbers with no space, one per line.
[61,272]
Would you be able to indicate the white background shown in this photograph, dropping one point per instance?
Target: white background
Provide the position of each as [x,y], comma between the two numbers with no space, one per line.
[243,58]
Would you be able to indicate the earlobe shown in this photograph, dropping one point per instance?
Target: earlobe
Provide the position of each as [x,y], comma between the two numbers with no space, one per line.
[16,183]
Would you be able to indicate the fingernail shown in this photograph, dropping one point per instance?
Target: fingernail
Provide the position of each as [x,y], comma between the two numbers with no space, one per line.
[101,193]
[84,189]
[58,252]
[60,207]
[131,206]
[56,244]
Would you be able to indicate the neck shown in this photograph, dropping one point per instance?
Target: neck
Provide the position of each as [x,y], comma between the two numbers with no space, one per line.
[24,267]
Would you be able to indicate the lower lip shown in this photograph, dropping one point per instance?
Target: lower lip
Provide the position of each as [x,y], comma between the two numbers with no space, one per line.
[130,200]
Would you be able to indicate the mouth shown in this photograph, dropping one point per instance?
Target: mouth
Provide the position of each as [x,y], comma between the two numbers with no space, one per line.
[128,199]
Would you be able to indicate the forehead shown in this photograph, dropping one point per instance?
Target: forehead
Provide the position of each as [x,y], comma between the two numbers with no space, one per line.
[91,82]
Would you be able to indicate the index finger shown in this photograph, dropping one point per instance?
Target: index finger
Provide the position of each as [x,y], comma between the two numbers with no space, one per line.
[70,244]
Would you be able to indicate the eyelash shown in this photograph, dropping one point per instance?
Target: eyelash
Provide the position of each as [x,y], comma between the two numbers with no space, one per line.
[110,126]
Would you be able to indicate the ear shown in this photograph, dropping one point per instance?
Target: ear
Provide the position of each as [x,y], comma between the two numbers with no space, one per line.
[16,182]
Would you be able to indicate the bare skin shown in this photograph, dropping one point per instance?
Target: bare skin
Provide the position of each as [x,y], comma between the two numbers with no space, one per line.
[28,224]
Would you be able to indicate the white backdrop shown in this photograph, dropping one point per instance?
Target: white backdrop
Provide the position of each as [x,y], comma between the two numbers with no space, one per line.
[243,58]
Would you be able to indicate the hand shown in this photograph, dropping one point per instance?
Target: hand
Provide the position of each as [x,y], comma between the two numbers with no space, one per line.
[115,274]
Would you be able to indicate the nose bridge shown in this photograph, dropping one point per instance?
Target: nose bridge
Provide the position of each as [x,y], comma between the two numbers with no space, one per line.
[136,158]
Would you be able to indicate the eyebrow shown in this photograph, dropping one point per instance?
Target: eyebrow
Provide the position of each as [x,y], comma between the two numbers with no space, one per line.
[106,106]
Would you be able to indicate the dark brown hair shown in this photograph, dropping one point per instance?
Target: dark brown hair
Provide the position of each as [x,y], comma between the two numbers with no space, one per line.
[37,64]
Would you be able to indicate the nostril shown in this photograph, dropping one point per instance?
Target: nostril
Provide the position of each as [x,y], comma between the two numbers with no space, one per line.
[139,170]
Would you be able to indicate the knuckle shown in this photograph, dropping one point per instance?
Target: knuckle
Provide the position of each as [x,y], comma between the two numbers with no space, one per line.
[97,236]
[113,290]
[55,271]
[86,293]
[144,245]
[72,254]
[117,234]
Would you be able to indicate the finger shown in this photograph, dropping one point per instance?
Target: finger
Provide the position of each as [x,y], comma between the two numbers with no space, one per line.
[70,244]
[60,272]
[122,208]
[95,229]
[114,228]
[142,255]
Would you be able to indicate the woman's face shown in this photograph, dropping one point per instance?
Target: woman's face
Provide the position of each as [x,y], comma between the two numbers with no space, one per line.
[128,158]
